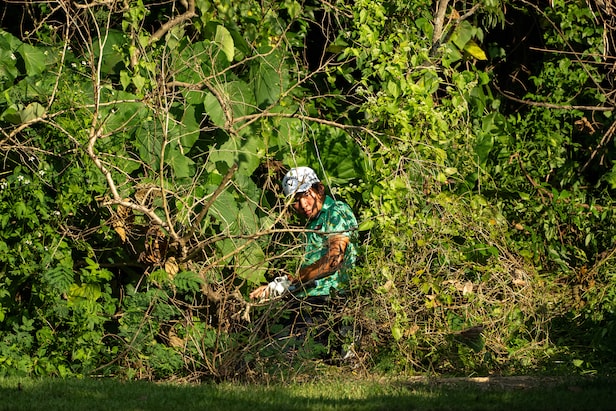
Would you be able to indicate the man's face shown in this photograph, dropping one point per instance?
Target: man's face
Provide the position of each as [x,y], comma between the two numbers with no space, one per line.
[307,204]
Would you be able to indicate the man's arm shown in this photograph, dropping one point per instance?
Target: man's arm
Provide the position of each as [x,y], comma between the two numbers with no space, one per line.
[329,263]
[326,265]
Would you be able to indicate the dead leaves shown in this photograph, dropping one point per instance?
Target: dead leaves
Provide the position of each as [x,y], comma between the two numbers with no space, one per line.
[121,221]
[155,247]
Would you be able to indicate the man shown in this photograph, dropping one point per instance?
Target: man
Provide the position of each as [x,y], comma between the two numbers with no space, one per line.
[330,251]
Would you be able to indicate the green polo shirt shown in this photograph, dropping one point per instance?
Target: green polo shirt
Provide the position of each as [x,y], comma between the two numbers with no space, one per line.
[335,218]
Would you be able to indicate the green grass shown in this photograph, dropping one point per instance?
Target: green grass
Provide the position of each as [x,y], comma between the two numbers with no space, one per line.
[337,394]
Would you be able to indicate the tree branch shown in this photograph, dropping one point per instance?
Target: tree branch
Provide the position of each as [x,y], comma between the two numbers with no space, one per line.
[603,143]
[552,105]
[207,205]
[187,15]
[438,36]
[439,21]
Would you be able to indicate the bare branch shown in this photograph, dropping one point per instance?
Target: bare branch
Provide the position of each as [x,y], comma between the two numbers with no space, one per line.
[439,21]
[607,137]
[187,15]
[96,3]
[208,204]
[552,105]
[439,36]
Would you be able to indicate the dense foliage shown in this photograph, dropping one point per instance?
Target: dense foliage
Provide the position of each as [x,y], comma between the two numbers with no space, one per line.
[143,146]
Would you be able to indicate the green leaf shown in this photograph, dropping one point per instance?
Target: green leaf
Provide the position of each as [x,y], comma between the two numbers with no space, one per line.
[425,26]
[334,152]
[112,58]
[396,332]
[59,278]
[224,40]
[238,96]
[189,130]
[225,211]
[125,79]
[450,55]
[8,41]
[8,70]
[294,8]
[485,136]
[21,209]
[241,98]
[182,165]
[188,281]
[267,73]
[192,64]
[91,292]
[12,115]
[123,113]
[139,81]
[463,34]
[366,225]
[159,276]
[214,110]
[249,261]
[474,50]
[34,59]
[393,89]
[148,145]
[32,112]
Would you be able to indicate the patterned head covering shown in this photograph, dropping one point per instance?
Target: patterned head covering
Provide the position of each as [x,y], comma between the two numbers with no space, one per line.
[299,180]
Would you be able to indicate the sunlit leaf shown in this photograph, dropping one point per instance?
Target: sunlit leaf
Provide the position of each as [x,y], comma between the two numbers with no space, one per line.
[463,34]
[225,41]
[366,225]
[214,110]
[474,50]
[250,263]
[268,73]
[396,332]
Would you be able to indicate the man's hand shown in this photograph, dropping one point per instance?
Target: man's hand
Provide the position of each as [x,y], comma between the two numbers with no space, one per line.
[260,293]
[274,289]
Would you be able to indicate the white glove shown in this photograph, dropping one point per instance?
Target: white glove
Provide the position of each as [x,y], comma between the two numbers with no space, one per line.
[277,287]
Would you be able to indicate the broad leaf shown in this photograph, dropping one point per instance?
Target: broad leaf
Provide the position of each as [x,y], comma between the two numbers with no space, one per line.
[246,151]
[247,258]
[225,211]
[214,110]
[224,40]
[34,59]
[112,59]
[251,264]
[474,50]
[463,34]
[32,112]
[183,167]
[237,96]
[8,71]
[124,115]
[269,74]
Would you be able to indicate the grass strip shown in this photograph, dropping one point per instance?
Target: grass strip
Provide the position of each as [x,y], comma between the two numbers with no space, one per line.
[340,394]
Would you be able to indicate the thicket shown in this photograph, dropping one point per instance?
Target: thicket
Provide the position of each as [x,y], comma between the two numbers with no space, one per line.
[143,145]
